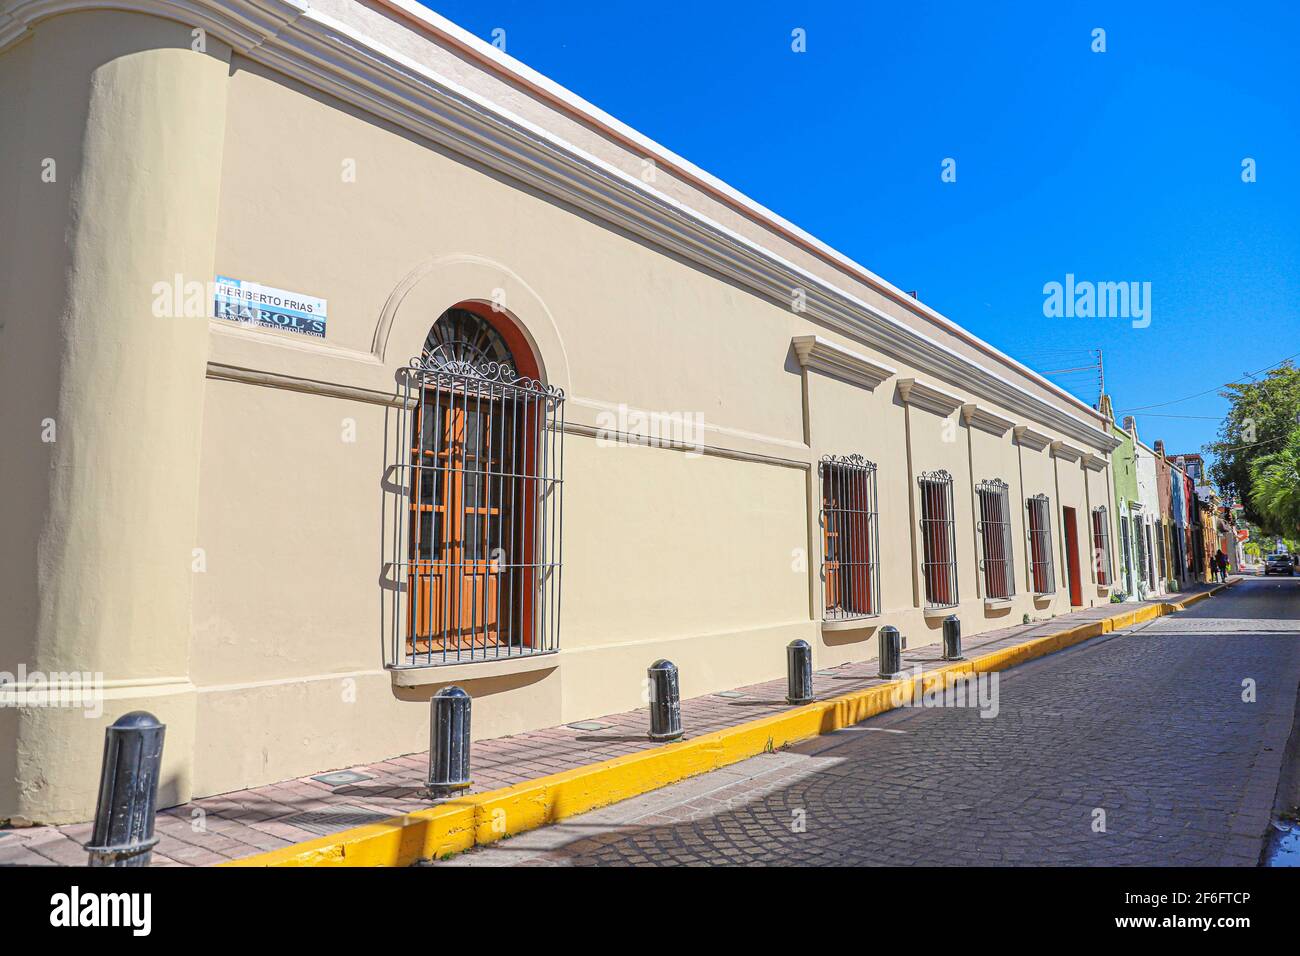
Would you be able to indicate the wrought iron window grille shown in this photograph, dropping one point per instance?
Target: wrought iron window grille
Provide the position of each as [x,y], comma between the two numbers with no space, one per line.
[850,538]
[479,528]
[997,562]
[938,540]
[1101,545]
[1042,567]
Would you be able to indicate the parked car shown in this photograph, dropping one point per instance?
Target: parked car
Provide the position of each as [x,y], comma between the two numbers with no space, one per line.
[1279,563]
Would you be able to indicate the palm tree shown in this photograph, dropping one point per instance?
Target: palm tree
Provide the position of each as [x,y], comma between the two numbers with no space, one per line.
[1275,487]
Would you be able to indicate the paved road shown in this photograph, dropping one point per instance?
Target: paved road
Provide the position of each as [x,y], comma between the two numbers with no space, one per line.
[1147,726]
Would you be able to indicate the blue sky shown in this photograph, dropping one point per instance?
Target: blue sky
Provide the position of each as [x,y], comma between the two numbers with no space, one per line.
[1122,166]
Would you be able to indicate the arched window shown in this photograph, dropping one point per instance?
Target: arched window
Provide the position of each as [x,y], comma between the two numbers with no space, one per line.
[464,340]
[483,510]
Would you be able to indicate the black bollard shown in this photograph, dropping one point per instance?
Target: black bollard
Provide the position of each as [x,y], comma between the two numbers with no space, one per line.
[128,792]
[798,656]
[890,652]
[952,638]
[665,701]
[449,742]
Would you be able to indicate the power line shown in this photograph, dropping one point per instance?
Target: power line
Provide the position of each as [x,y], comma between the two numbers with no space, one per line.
[1062,371]
[1080,380]
[1266,441]
[1207,418]
[1208,390]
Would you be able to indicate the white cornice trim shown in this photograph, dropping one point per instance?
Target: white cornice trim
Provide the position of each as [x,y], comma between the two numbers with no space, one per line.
[1063,449]
[983,419]
[244,24]
[554,95]
[1094,462]
[327,55]
[918,393]
[1024,435]
[818,354]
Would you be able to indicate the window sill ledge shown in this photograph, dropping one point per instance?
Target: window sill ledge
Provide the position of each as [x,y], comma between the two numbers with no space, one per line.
[422,675]
[940,611]
[850,623]
[997,604]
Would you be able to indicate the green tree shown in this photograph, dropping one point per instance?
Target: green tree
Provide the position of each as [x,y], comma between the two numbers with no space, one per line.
[1275,487]
[1262,416]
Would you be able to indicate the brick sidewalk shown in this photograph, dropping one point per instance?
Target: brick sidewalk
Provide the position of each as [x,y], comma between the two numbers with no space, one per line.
[213,830]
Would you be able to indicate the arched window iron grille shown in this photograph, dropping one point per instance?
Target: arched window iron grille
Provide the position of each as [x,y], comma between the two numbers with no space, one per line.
[462,341]
[850,538]
[938,539]
[995,539]
[1041,568]
[478,550]
[1101,545]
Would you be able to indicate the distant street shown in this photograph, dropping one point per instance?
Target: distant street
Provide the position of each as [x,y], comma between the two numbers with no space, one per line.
[1134,749]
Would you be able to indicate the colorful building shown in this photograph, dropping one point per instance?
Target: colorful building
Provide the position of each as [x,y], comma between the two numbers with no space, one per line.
[1215,529]
[1171,517]
[1150,545]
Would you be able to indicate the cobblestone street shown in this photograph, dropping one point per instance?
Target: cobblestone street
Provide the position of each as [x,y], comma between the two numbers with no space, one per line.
[1144,732]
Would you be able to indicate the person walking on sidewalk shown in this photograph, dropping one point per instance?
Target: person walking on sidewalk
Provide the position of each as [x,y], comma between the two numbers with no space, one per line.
[1220,566]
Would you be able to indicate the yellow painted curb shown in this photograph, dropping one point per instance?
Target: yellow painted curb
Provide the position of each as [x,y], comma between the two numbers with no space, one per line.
[486,817]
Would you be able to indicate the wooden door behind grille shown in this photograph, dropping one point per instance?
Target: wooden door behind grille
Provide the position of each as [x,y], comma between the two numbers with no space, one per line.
[464,495]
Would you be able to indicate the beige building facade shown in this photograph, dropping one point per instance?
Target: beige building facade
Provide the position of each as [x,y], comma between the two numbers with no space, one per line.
[722,435]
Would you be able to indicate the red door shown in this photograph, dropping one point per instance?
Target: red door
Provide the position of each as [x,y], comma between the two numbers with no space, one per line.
[1072,557]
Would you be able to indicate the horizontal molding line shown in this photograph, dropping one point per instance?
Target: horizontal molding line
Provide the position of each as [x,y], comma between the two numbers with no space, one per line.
[334,58]
[378,673]
[713,451]
[74,680]
[307,386]
[247,376]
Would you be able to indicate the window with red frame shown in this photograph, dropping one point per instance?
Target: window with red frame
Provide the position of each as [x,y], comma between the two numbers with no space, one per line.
[1101,544]
[1042,570]
[938,540]
[995,540]
[850,574]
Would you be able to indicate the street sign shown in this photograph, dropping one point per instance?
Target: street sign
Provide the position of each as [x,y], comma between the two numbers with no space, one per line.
[250,303]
